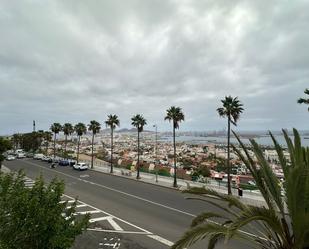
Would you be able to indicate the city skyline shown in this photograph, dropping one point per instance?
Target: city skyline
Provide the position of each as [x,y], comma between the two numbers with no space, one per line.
[78,61]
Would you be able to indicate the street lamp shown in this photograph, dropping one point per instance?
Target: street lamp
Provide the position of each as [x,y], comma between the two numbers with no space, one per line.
[156,153]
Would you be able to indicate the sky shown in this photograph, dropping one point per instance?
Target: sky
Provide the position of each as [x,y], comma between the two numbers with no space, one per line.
[76,61]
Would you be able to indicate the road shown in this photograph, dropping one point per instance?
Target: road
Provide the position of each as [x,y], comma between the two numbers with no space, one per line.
[124,213]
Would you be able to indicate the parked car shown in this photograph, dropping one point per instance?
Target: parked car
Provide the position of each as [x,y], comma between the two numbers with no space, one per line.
[72,162]
[10,158]
[80,166]
[64,162]
[46,159]
[29,154]
[38,156]
[21,155]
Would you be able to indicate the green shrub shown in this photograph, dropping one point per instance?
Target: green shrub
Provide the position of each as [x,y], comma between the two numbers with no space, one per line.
[164,172]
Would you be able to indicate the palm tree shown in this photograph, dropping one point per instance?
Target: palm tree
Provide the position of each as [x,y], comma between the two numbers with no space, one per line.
[139,122]
[284,221]
[47,137]
[80,129]
[95,127]
[304,101]
[67,131]
[175,115]
[231,109]
[111,122]
[55,128]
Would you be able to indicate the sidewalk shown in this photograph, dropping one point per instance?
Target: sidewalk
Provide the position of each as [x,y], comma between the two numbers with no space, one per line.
[248,197]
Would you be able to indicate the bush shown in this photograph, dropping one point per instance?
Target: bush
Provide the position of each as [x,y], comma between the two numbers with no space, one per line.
[163,172]
[34,218]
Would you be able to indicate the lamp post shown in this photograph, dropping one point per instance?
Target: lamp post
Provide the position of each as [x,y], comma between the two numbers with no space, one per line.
[156,152]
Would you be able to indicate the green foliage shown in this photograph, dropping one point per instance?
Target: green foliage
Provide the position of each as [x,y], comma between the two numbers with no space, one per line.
[175,115]
[5,145]
[271,225]
[139,122]
[35,218]
[163,172]
[304,100]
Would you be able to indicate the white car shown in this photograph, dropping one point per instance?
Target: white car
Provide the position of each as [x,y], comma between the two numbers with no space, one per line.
[21,155]
[38,156]
[10,158]
[80,166]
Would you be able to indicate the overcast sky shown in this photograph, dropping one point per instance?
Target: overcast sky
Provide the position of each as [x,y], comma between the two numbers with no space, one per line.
[74,61]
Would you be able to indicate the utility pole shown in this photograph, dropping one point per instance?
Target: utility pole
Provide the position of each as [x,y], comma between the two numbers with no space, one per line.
[33,125]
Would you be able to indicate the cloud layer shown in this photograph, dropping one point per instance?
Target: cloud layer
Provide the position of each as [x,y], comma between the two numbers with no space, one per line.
[71,61]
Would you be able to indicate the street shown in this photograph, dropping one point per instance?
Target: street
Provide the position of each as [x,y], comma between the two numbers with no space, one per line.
[124,213]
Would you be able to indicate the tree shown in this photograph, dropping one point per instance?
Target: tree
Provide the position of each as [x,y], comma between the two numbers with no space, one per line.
[303,100]
[273,227]
[111,122]
[16,140]
[36,218]
[175,115]
[55,128]
[95,127]
[139,122]
[5,145]
[67,131]
[47,137]
[80,129]
[232,108]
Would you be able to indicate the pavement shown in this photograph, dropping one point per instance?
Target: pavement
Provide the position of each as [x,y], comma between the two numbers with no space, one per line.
[125,213]
[249,197]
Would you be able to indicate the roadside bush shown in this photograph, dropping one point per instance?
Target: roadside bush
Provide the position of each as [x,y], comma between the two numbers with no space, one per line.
[163,172]
[34,218]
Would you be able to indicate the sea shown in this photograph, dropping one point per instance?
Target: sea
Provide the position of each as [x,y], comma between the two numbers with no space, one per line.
[262,140]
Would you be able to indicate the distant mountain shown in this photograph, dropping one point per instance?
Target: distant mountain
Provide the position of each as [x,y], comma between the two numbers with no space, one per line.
[130,130]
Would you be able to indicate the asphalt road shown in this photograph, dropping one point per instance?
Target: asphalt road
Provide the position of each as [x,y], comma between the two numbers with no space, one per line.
[125,213]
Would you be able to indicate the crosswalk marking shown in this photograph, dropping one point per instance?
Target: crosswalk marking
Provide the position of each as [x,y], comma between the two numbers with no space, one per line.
[112,220]
[89,212]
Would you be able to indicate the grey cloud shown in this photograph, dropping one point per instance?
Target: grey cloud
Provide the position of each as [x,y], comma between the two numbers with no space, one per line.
[80,60]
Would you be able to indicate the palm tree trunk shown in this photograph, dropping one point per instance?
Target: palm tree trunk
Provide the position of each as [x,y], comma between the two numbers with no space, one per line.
[54,145]
[229,190]
[92,150]
[65,146]
[175,169]
[78,148]
[112,134]
[137,176]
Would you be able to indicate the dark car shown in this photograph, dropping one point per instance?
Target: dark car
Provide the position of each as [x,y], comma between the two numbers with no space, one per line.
[64,163]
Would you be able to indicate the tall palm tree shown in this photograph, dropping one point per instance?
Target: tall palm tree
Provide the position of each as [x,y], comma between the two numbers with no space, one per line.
[55,128]
[111,122]
[304,101]
[232,108]
[139,122]
[47,137]
[282,223]
[67,131]
[80,130]
[95,127]
[175,115]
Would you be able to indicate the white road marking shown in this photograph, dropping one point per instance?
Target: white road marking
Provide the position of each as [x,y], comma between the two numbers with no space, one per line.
[139,198]
[160,239]
[119,191]
[88,212]
[114,224]
[69,201]
[118,231]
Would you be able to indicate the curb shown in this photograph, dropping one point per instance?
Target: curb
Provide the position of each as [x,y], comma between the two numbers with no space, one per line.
[134,179]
